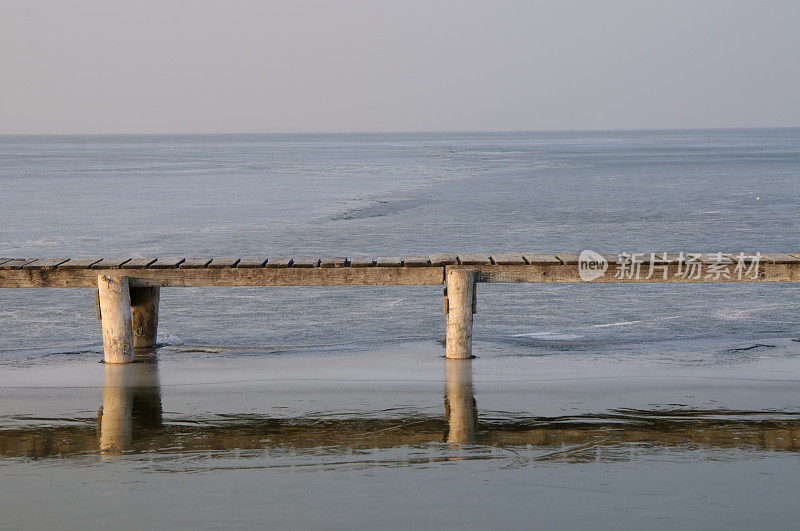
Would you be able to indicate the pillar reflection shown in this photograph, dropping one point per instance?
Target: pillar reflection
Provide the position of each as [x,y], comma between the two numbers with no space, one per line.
[131,404]
[460,408]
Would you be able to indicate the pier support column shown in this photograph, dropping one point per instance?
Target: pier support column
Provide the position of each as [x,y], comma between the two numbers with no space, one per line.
[144,316]
[115,308]
[460,307]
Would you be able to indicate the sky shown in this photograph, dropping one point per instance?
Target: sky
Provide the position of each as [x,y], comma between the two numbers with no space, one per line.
[202,66]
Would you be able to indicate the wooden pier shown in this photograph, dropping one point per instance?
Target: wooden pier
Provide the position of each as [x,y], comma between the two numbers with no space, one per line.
[128,289]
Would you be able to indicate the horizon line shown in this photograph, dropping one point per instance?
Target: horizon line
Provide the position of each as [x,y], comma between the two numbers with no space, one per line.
[407,132]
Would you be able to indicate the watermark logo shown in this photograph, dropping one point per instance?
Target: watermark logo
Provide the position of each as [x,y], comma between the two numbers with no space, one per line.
[591,265]
[714,267]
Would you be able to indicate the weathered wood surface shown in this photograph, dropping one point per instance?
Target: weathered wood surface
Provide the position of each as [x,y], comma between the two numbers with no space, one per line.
[45,263]
[507,259]
[16,263]
[362,262]
[391,261]
[460,307]
[167,263]
[144,316]
[287,276]
[707,267]
[333,261]
[781,258]
[251,262]
[194,263]
[305,262]
[416,261]
[110,263]
[443,259]
[540,258]
[137,263]
[312,271]
[220,263]
[115,308]
[280,261]
[80,263]
[474,259]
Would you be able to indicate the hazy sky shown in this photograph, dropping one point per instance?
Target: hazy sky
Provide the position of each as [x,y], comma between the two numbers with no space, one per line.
[98,66]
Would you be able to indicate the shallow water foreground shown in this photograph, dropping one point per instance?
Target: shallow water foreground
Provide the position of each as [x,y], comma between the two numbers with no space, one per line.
[399,438]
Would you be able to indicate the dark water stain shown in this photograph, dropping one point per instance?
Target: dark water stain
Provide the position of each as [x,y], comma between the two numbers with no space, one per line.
[379,209]
[752,347]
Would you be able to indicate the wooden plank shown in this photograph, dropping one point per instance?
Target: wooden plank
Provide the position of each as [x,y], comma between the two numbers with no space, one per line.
[662,258]
[626,257]
[250,262]
[779,258]
[541,258]
[416,261]
[110,263]
[16,263]
[280,262]
[332,261]
[507,259]
[167,263]
[474,259]
[80,263]
[390,261]
[195,263]
[747,257]
[137,263]
[615,258]
[292,276]
[568,258]
[362,262]
[220,263]
[442,259]
[642,258]
[45,263]
[305,262]
[675,258]
[715,258]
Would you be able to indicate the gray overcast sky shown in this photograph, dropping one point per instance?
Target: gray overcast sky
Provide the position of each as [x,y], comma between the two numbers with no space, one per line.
[104,66]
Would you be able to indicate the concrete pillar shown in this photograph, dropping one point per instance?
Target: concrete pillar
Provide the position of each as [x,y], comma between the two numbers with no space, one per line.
[144,316]
[115,308]
[460,301]
[460,409]
[116,426]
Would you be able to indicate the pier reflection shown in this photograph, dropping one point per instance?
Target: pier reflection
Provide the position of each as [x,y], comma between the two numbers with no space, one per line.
[131,420]
[460,408]
[131,404]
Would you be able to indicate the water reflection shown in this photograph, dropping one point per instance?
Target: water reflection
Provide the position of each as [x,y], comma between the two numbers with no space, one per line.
[131,404]
[460,408]
[131,420]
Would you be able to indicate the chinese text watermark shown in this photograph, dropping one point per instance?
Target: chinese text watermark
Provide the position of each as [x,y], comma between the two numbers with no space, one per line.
[681,266]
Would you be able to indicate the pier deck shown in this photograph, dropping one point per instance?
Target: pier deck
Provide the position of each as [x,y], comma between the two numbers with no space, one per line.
[409,270]
[128,289]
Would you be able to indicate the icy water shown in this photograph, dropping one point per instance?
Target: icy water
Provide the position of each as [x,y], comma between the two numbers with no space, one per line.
[604,406]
